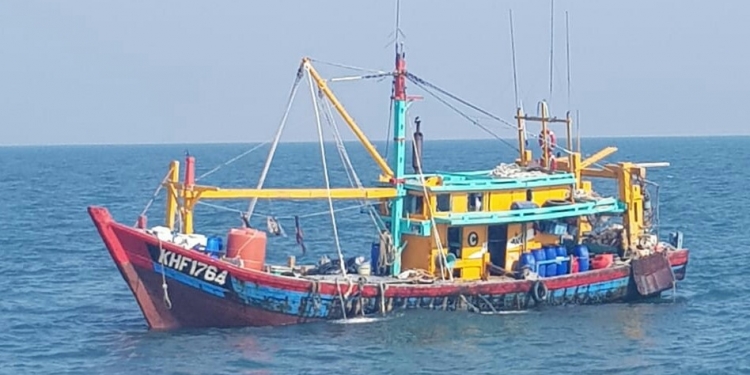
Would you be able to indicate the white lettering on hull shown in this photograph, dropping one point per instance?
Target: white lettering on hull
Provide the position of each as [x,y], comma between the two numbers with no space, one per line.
[192,267]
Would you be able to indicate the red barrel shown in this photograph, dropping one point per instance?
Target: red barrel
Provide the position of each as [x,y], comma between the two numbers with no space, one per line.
[249,245]
[573,264]
[602,261]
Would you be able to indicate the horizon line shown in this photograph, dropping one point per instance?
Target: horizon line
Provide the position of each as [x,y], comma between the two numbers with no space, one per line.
[352,141]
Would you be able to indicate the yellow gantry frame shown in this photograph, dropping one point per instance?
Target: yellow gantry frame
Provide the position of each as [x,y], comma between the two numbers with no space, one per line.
[171,206]
[323,86]
[190,196]
[184,198]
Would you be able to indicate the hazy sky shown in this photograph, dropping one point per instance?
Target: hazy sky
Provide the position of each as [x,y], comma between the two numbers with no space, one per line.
[75,72]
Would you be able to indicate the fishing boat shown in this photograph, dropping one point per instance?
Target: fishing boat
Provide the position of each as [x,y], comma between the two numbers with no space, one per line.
[528,233]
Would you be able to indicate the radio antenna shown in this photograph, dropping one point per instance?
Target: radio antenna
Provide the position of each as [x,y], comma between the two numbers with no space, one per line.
[567,52]
[551,43]
[513,54]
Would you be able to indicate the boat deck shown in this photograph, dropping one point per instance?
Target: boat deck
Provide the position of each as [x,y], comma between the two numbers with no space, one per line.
[375,279]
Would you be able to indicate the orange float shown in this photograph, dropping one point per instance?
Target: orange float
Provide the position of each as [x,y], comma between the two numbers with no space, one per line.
[249,245]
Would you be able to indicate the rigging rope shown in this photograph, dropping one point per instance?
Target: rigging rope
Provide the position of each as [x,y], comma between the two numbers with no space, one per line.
[390,123]
[422,83]
[351,67]
[359,78]
[230,161]
[156,193]
[348,168]
[467,117]
[286,217]
[325,173]
[272,151]
[351,173]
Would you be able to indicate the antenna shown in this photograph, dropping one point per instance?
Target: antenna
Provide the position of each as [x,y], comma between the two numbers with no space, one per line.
[578,130]
[513,53]
[567,52]
[397,33]
[398,18]
[551,42]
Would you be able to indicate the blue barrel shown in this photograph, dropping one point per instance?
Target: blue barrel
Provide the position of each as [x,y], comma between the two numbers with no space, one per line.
[551,252]
[527,260]
[564,267]
[582,252]
[214,246]
[540,256]
[375,258]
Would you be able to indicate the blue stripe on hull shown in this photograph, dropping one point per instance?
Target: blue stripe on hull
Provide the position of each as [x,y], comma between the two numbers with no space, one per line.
[191,281]
[304,304]
[316,306]
[272,299]
[592,292]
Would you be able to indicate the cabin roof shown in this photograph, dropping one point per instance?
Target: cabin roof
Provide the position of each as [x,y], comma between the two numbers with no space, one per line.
[487,180]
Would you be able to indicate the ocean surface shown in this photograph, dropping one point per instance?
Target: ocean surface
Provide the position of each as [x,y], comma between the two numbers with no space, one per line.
[64,308]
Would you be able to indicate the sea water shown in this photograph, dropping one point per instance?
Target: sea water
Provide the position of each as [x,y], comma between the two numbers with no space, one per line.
[64,308]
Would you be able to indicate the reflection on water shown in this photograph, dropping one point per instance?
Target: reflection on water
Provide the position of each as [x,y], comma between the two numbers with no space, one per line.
[248,348]
[631,321]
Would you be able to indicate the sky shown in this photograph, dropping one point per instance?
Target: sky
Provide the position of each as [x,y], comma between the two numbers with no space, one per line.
[144,71]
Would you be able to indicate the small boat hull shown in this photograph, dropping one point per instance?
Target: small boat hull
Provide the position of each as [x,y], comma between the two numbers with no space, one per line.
[180,288]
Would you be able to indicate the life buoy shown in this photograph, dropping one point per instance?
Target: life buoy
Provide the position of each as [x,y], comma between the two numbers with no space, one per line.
[539,291]
[547,136]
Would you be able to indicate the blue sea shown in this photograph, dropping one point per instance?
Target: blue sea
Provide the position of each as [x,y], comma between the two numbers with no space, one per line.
[64,308]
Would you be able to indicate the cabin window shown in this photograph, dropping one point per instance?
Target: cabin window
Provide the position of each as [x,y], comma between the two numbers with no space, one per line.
[413,204]
[474,202]
[443,203]
[408,202]
[454,241]
[418,205]
[529,195]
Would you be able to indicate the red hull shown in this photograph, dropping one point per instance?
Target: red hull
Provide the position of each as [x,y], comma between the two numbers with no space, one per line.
[253,298]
